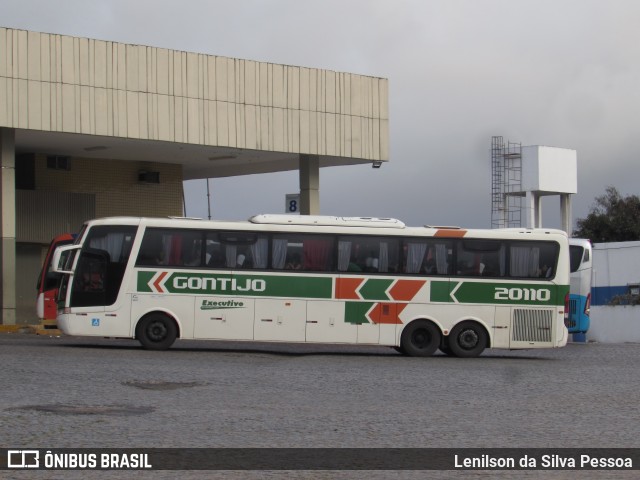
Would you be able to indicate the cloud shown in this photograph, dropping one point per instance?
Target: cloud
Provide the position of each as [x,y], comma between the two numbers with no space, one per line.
[551,72]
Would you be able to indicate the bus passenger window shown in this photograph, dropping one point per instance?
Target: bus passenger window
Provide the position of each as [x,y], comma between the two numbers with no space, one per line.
[244,250]
[152,251]
[293,262]
[368,254]
[533,259]
[316,253]
[214,259]
[486,258]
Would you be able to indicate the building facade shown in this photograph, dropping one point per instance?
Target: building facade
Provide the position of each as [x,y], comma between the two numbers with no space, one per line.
[92,128]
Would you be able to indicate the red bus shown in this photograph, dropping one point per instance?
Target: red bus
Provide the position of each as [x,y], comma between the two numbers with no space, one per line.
[48,280]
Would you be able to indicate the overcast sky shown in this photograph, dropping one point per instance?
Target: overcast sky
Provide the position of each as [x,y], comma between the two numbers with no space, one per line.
[562,73]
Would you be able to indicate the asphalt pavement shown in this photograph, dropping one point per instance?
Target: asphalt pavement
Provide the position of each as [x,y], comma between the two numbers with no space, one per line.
[66,392]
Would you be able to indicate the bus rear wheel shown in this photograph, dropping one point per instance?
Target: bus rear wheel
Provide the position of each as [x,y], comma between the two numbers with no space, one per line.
[420,338]
[444,346]
[468,339]
[156,331]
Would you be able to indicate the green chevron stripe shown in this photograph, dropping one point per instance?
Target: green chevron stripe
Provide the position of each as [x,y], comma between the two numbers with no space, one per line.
[242,285]
[356,312]
[375,288]
[498,293]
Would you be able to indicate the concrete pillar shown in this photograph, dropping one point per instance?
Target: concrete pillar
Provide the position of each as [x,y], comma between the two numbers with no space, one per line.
[8,226]
[565,212]
[309,185]
[533,210]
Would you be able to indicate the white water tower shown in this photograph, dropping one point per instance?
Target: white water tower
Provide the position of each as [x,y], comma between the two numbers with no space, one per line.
[530,173]
[548,171]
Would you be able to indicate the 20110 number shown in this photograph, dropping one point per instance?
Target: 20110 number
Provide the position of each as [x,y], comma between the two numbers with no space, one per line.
[527,294]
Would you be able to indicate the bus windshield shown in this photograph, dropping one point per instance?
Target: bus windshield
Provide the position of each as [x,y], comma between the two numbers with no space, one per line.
[575,257]
[100,268]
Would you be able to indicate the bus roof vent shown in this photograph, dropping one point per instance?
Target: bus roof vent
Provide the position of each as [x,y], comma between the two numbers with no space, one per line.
[442,227]
[322,220]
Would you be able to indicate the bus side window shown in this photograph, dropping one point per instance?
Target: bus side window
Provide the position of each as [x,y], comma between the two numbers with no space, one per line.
[368,254]
[213,257]
[486,258]
[533,259]
[245,250]
[316,253]
[427,257]
[297,251]
[152,249]
[191,248]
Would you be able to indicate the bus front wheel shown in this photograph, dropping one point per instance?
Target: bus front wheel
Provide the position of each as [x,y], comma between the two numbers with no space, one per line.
[421,338]
[468,339]
[156,331]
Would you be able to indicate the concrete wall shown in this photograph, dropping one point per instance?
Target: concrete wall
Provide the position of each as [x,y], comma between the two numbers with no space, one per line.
[617,324]
[97,188]
[40,216]
[615,266]
[65,84]
[116,186]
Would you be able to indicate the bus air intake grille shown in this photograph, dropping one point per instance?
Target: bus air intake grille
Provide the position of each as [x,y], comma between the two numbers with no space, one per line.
[532,325]
[573,312]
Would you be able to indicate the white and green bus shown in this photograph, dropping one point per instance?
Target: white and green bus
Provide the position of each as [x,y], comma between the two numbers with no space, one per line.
[316,279]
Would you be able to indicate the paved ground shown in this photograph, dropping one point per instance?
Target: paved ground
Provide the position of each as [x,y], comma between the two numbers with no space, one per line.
[75,393]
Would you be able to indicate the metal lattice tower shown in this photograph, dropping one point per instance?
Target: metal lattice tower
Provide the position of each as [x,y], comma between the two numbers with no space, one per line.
[506,180]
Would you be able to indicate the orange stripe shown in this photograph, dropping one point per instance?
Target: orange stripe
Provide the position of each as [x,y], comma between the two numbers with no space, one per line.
[405,290]
[450,233]
[346,288]
[386,313]
[159,280]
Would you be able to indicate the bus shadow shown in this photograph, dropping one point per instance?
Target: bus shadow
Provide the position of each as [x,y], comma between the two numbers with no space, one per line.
[297,350]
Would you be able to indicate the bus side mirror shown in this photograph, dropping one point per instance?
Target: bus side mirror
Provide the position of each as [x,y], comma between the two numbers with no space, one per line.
[60,257]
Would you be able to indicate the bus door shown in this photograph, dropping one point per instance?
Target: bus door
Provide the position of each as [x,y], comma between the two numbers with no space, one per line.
[88,291]
[97,279]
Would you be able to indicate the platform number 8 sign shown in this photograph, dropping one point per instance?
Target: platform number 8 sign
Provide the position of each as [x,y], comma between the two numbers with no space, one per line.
[292,203]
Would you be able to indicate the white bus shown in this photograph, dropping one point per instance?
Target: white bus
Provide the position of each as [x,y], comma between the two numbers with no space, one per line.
[282,278]
[581,261]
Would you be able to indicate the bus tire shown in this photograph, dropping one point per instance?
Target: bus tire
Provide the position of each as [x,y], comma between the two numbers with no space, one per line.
[156,331]
[468,339]
[420,338]
[444,346]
